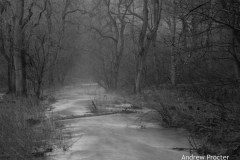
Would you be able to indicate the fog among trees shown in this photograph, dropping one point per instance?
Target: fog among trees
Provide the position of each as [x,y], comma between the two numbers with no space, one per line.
[125,43]
[139,47]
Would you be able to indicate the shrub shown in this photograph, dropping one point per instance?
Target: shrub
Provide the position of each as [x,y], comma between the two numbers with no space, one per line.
[214,123]
[25,131]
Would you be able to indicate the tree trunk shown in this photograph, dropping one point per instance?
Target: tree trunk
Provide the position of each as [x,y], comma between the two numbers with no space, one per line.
[157,67]
[173,50]
[38,92]
[143,50]
[11,77]
[173,68]
[18,39]
[11,71]
[139,75]
[156,62]
[24,72]
[184,33]
[116,74]
[119,53]
[235,57]
[237,70]
[48,16]
[145,39]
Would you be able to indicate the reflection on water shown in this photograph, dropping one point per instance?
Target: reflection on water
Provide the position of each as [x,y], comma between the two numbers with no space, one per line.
[113,137]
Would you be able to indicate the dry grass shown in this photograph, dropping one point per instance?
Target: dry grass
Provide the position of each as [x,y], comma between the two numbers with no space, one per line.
[25,131]
[214,126]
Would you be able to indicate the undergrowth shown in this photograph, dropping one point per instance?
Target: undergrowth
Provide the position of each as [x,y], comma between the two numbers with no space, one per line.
[211,115]
[25,130]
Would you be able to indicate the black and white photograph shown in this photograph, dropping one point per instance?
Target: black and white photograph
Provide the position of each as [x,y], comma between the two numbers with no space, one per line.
[119,79]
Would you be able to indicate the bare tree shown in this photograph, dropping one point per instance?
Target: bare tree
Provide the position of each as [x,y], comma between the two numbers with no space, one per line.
[117,16]
[6,47]
[172,23]
[18,44]
[147,35]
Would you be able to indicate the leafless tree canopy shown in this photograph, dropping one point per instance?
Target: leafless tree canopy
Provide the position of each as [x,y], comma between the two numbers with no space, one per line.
[131,45]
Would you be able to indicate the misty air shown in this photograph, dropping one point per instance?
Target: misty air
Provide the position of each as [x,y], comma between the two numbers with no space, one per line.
[119,80]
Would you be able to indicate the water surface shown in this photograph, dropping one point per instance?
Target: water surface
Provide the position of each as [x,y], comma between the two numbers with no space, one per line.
[112,137]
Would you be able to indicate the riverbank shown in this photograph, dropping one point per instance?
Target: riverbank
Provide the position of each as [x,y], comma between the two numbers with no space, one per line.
[213,124]
[26,132]
[111,137]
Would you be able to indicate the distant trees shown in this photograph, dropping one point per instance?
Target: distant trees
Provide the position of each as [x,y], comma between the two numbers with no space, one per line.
[128,43]
[229,17]
[214,31]
[6,41]
[19,55]
[116,29]
[172,23]
[32,42]
[112,29]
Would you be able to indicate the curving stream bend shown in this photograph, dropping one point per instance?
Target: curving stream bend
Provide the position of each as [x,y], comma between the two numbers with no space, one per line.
[112,137]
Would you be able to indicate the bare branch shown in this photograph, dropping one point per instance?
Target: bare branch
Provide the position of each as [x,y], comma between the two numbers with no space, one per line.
[30,13]
[102,35]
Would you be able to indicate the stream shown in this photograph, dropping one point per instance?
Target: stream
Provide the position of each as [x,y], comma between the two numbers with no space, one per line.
[112,137]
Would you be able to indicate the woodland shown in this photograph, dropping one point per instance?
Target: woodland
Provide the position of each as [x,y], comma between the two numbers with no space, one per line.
[179,57]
